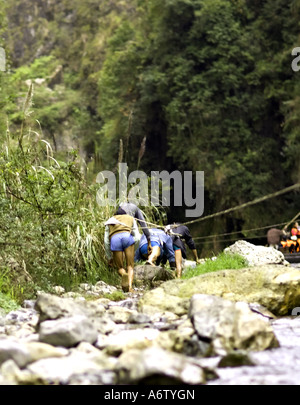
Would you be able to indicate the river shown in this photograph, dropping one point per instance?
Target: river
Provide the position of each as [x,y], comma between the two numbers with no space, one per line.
[279,366]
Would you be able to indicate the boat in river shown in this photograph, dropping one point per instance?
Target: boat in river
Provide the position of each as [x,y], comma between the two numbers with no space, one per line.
[292,257]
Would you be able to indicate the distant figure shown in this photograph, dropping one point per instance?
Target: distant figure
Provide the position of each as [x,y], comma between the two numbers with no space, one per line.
[180,233]
[135,212]
[121,234]
[274,236]
[295,230]
[162,245]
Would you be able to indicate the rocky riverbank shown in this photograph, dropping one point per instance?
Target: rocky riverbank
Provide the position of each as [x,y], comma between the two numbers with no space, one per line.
[229,327]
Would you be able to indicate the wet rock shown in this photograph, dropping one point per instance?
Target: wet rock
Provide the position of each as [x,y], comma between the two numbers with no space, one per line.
[182,339]
[236,359]
[10,373]
[21,316]
[53,307]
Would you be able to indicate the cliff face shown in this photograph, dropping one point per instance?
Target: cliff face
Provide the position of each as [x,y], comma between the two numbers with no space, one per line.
[60,47]
[39,27]
[28,35]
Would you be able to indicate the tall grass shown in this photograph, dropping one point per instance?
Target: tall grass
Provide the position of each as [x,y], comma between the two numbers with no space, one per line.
[51,225]
[8,296]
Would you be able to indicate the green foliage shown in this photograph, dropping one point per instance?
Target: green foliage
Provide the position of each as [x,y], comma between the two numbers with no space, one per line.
[115,296]
[207,83]
[51,226]
[50,223]
[7,304]
[222,262]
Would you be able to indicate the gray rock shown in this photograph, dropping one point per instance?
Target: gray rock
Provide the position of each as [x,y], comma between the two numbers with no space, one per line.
[123,340]
[52,307]
[114,343]
[22,316]
[39,350]
[146,272]
[78,367]
[256,255]
[138,318]
[276,287]
[229,326]
[157,366]
[120,314]
[12,349]
[102,288]
[67,332]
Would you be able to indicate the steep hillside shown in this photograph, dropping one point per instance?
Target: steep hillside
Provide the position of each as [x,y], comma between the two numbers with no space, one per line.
[207,84]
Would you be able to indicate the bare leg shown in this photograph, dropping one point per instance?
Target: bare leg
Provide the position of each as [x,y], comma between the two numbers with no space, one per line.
[119,262]
[129,255]
[154,255]
[178,261]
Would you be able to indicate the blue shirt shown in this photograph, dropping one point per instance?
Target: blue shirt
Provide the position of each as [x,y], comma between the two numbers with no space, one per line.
[165,242]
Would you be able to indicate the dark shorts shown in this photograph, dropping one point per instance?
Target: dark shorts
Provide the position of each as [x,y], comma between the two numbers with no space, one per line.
[176,248]
[121,241]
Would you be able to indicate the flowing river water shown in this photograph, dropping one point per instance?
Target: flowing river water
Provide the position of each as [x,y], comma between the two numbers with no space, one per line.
[279,366]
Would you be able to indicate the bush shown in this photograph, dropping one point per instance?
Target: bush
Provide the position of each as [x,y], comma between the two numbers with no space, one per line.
[51,226]
[52,229]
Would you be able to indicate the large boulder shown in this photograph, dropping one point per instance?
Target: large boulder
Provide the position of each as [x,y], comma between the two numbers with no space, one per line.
[276,287]
[256,255]
[149,273]
[228,326]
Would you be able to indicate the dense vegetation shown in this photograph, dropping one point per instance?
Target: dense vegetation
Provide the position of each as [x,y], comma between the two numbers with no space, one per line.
[207,83]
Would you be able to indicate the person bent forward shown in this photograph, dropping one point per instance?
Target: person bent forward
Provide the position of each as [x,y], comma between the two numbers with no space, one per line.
[121,234]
